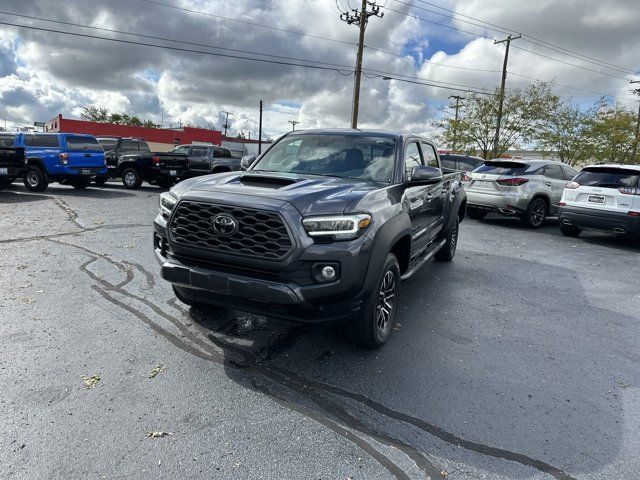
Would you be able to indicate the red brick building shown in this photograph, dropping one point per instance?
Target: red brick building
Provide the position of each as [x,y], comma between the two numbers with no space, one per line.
[159,139]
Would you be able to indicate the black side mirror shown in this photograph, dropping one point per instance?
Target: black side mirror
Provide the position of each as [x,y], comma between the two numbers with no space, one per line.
[426,175]
[247,161]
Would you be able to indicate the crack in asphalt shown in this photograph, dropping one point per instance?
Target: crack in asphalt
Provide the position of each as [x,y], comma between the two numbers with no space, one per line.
[312,389]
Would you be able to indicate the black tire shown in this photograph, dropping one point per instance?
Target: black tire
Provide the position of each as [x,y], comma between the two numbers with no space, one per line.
[35,179]
[165,182]
[448,250]
[375,321]
[536,213]
[570,230]
[10,181]
[476,213]
[81,183]
[131,179]
[100,180]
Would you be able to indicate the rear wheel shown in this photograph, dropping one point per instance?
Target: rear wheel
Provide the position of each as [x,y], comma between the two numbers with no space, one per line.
[448,251]
[536,213]
[35,179]
[374,323]
[476,213]
[570,230]
[131,179]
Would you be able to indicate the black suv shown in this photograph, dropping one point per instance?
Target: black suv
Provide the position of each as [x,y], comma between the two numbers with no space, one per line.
[322,226]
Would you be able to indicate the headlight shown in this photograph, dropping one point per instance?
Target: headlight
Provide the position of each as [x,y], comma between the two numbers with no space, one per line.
[339,227]
[167,202]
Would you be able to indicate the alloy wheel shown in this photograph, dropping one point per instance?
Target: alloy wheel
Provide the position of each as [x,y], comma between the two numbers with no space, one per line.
[386,302]
[33,179]
[538,213]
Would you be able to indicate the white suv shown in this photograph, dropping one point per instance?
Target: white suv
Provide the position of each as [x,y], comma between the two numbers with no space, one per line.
[602,197]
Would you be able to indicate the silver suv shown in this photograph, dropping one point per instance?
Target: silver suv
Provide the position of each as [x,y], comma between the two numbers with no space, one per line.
[529,189]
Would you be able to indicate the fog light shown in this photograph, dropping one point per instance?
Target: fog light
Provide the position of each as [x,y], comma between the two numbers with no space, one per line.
[328,272]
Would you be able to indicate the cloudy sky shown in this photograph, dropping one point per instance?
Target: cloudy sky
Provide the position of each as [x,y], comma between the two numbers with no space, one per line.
[43,73]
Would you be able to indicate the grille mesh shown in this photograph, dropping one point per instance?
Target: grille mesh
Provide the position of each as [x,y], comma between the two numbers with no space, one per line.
[261,234]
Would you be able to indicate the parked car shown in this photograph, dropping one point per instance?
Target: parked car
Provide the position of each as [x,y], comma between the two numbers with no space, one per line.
[528,189]
[453,162]
[322,226]
[602,197]
[68,158]
[133,161]
[206,159]
[12,160]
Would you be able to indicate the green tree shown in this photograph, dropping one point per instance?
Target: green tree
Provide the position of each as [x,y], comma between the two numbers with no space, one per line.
[92,113]
[525,112]
[564,134]
[95,114]
[610,133]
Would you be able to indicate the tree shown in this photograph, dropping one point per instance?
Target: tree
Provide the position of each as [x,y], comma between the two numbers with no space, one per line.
[610,133]
[92,113]
[95,114]
[564,133]
[524,114]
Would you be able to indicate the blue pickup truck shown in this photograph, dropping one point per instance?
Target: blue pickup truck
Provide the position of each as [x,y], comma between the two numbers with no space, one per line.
[68,158]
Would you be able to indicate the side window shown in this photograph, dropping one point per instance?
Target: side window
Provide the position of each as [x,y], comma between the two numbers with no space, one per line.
[554,171]
[142,146]
[569,172]
[430,157]
[467,164]
[43,141]
[183,149]
[412,158]
[128,146]
[199,151]
[448,162]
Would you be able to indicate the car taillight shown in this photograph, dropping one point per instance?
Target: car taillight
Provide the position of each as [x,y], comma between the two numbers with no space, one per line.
[156,160]
[572,185]
[629,190]
[64,158]
[512,182]
[562,204]
[466,177]
[633,214]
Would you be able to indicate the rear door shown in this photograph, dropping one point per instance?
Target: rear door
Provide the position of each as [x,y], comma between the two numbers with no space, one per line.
[199,158]
[435,193]
[554,181]
[605,189]
[417,200]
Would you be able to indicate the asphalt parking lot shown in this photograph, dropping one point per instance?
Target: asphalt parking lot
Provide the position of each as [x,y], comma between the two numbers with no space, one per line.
[518,360]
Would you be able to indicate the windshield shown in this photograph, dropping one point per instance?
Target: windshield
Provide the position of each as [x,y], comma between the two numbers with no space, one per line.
[336,155]
[608,178]
[108,143]
[6,140]
[75,144]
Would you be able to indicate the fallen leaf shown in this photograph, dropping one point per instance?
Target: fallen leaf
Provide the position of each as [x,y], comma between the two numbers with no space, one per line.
[29,300]
[444,474]
[159,434]
[90,382]
[397,326]
[623,385]
[159,368]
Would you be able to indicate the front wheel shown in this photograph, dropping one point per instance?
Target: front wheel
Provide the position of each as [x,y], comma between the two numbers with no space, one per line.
[35,179]
[131,179]
[374,323]
[448,250]
[536,213]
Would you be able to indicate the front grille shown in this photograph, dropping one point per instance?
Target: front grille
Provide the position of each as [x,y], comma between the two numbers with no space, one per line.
[260,234]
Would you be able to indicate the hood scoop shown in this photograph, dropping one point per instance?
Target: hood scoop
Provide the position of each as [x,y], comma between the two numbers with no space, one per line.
[266,181]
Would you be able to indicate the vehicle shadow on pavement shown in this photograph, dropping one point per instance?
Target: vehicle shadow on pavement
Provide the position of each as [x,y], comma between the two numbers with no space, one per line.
[501,364]
[11,197]
[65,191]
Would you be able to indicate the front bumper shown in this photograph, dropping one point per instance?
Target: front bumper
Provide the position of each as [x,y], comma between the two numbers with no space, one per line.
[504,203]
[282,290]
[607,221]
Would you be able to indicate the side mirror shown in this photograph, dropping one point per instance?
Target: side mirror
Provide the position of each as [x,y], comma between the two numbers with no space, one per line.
[426,175]
[247,161]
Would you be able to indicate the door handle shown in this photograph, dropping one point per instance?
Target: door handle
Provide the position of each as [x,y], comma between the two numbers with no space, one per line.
[548,184]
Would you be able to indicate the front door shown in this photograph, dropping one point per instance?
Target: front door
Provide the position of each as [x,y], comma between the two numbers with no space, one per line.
[416,197]
[436,194]
[199,159]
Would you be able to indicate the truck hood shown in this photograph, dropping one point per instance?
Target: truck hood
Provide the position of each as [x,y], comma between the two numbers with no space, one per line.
[309,194]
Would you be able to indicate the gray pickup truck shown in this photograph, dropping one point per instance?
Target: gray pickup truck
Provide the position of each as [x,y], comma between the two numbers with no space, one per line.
[206,159]
[322,226]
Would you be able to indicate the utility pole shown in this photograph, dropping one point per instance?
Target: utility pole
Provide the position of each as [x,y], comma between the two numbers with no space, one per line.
[359,18]
[506,41]
[226,122]
[634,155]
[293,124]
[457,106]
[260,131]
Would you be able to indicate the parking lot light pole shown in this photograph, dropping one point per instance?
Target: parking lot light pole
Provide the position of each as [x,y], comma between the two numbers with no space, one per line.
[634,154]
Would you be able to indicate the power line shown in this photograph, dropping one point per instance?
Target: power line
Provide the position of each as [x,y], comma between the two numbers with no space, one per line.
[168,47]
[532,39]
[476,34]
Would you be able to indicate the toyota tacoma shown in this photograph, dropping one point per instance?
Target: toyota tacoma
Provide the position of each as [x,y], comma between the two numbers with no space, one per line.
[322,226]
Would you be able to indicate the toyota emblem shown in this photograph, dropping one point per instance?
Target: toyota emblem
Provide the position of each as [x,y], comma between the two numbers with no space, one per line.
[224,224]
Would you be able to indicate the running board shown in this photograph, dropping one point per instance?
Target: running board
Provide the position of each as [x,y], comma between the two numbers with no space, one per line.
[427,256]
